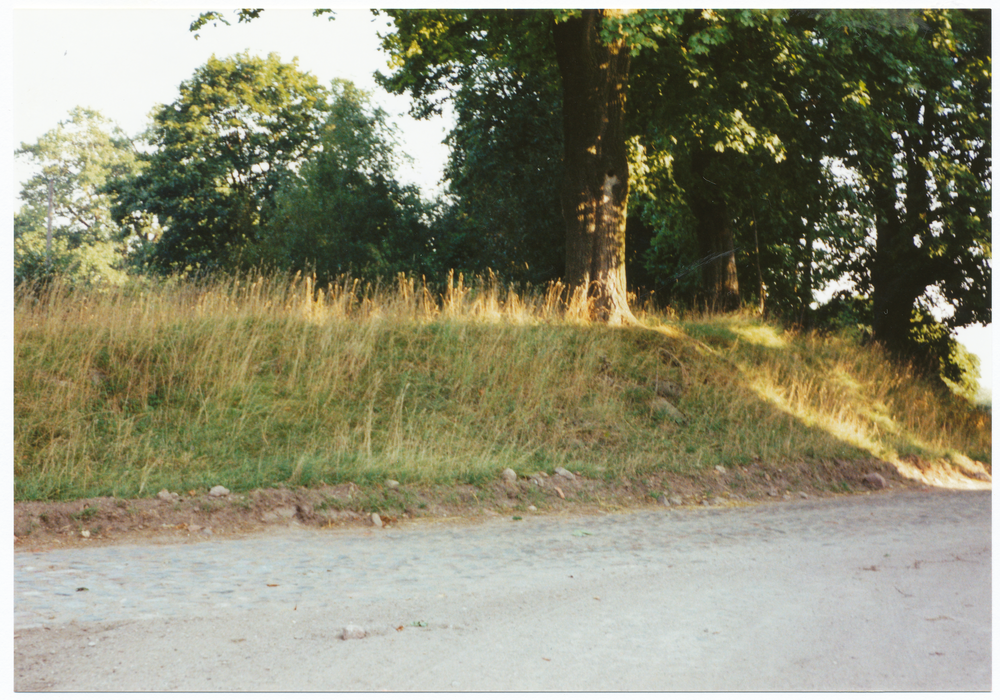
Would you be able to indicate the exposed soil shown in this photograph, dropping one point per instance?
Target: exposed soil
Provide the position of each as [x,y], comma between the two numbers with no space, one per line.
[197,516]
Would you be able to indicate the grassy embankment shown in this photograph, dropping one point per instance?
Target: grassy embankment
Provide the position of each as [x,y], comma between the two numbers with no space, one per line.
[254,383]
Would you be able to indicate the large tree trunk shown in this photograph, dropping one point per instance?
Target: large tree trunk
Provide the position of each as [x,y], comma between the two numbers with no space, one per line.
[894,290]
[899,269]
[596,180]
[719,283]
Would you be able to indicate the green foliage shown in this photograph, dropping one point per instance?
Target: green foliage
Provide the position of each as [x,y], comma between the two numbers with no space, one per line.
[841,145]
[916,131]
[79,156]
[433,52]
[238,129]
[504,171]
[719,115]
[344,212]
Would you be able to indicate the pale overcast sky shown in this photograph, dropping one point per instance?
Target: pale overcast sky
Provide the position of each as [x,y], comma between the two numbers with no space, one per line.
[123,62]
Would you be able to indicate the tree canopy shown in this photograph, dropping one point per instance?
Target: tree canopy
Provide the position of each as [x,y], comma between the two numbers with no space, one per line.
[344,211]
[78,157]
[504,169]
[220,153]
[917,135]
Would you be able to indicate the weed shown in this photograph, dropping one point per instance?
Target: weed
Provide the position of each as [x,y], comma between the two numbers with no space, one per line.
[379,501]
[331,504]
[842,487]
[86,513]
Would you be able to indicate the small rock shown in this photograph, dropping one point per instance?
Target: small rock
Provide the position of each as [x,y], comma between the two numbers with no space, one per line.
[667,389]
[85,533]
[165,495]
[353,632]
[875,480]
[773,493]
[194,528]
[786,497]
[803,495]
[660,405]
[719,468]
[560,493]
[532,508]
[279,514]
[509,475]
[206,531]
[565,473]
[662,500]
[376,520]
[391,484]
[218,491]
[676,501]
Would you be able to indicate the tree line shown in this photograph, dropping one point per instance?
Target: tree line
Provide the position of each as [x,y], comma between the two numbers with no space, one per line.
[712,159]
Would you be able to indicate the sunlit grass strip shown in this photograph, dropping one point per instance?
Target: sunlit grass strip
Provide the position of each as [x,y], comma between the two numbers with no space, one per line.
[862,399]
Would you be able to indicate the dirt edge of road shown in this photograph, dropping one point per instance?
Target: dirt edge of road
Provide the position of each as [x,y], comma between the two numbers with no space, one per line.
[195,516]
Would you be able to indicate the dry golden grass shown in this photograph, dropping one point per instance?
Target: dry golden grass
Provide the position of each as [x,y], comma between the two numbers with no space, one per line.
[258,381]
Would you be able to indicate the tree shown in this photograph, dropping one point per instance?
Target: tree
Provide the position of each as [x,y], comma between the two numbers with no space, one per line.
[239,128]
[77,157]
[344,212]
[734,150]
[433,51]
[504,170]
[918,134]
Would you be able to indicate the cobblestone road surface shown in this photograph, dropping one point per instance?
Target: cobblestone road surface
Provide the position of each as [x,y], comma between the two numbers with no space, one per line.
[866,593]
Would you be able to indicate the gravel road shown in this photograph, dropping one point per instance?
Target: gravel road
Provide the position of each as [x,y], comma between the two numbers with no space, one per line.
[880,592]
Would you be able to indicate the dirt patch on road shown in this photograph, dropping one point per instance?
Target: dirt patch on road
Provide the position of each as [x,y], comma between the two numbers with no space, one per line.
[196,516]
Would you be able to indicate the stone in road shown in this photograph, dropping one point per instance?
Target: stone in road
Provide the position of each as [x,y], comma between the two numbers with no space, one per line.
[867,593]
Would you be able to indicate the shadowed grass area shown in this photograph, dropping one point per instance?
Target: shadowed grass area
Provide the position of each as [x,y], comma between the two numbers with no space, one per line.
[256,382]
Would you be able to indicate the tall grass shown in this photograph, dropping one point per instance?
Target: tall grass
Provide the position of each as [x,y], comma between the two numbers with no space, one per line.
[257,381]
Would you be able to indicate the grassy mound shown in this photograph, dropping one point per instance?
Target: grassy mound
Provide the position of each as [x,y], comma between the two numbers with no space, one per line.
[260,382]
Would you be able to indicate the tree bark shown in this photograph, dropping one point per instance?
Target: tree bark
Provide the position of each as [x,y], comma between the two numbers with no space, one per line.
[719,282]
[596,180]
[894,291]
[900,273]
